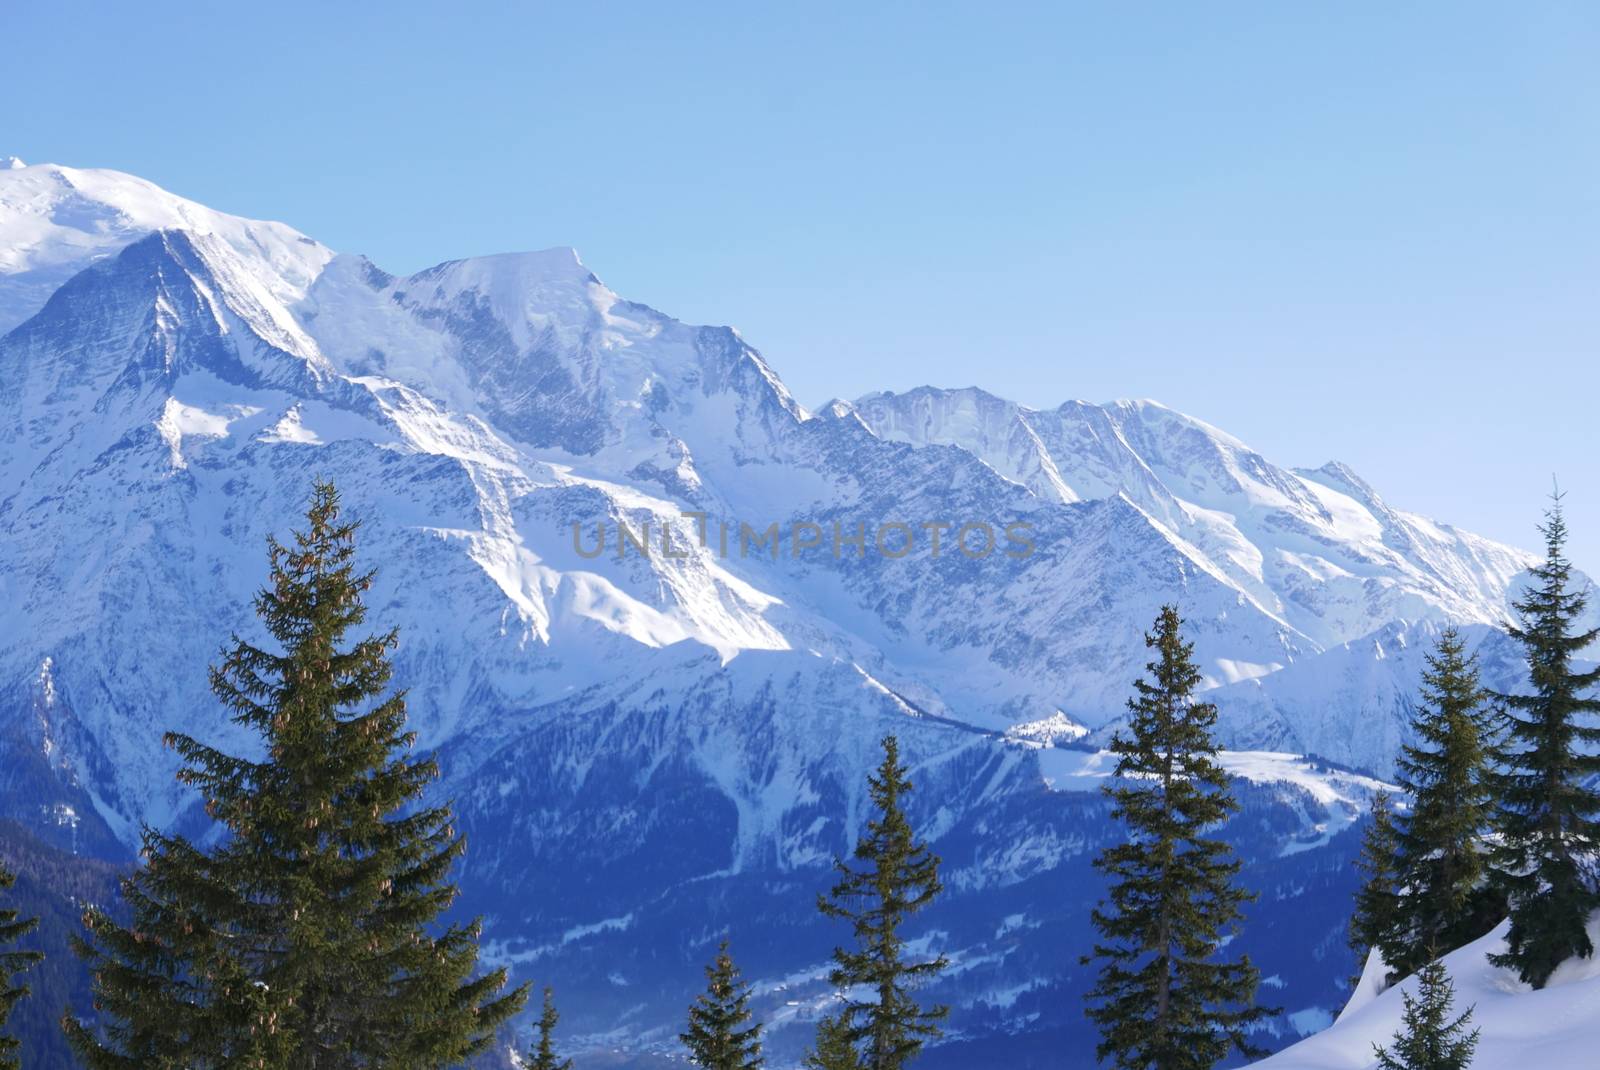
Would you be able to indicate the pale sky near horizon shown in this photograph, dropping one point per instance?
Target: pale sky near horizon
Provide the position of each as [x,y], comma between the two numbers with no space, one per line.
[1363,231]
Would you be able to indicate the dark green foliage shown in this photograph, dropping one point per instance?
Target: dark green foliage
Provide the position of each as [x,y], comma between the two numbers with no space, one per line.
[1163,999]
[1428,1038]
[1442,854]
[1548,806]
[1376,921]
[898,876]
[13,962]
[543,1056]
[307,940]
[834,1049]
[718,1037]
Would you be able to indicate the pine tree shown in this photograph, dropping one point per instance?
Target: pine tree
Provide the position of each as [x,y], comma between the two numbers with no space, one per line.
[1428,1039]
[543,1056]
[718,1037]
[1376,921]
[834,1049]
[899,876]
[1163,1000]
[12,963]
[1548,808]
[309,938]
[1441,849]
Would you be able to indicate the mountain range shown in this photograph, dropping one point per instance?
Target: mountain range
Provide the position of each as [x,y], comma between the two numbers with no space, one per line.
[656,614]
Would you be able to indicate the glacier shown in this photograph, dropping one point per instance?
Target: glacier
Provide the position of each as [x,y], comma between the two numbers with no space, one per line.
[649,750]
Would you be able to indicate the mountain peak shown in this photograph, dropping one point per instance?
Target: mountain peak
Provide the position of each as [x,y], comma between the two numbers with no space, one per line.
[559,263]
[11,163]
[188,302]
[55,221]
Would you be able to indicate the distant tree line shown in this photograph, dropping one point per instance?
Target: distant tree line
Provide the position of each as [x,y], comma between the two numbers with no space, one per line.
[309,937]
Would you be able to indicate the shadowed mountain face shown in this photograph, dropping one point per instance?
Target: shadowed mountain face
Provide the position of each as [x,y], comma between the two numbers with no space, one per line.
[652,746]
[52,886]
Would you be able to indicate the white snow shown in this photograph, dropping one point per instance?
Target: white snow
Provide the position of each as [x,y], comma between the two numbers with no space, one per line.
[1555,1028]
[1299,544]
[1076,770]
[1309,1020]
[55,221]
[1340,797]
[1049,731]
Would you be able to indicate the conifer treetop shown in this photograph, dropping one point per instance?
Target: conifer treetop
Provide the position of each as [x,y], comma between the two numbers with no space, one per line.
[1440,846]
[1164,997]
[310,937]
[722,1034]
[1375,922]
[543,1056]
[897,876]
[1429,1039]
[1548,813]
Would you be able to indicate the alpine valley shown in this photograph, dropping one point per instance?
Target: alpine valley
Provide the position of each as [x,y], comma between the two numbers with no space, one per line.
[653,740]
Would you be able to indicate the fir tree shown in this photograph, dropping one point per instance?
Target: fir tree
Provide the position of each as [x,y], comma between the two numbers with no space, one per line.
[898,877]
[12,963]
[1548,808]
[718,1037]
[834,1049]
[309,938]
[1376,921]
[543,1056]
[1441,850]
[1428,1039]
[1163,1000]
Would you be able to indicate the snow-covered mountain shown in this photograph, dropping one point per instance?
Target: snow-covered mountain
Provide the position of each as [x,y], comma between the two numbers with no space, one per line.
[1318,551]
[681,734]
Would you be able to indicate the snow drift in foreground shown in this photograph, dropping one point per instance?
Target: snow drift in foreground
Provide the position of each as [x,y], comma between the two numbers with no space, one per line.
[1555,1028]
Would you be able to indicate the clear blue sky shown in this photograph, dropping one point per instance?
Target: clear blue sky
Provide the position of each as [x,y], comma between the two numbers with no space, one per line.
[1364,231]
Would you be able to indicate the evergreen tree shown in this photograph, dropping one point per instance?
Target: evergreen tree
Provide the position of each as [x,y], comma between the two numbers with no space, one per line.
[718,1037]
[1548,806]
[834,1049]
[1428,1039]
[1441,851]
[1163,1000]
[308,939]
[1376,921]
[543,1056]
[898,877]
[12,963]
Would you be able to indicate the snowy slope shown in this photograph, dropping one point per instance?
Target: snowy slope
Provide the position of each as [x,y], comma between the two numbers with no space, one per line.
[1555,1028]
[1354,702]
[1339,797]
